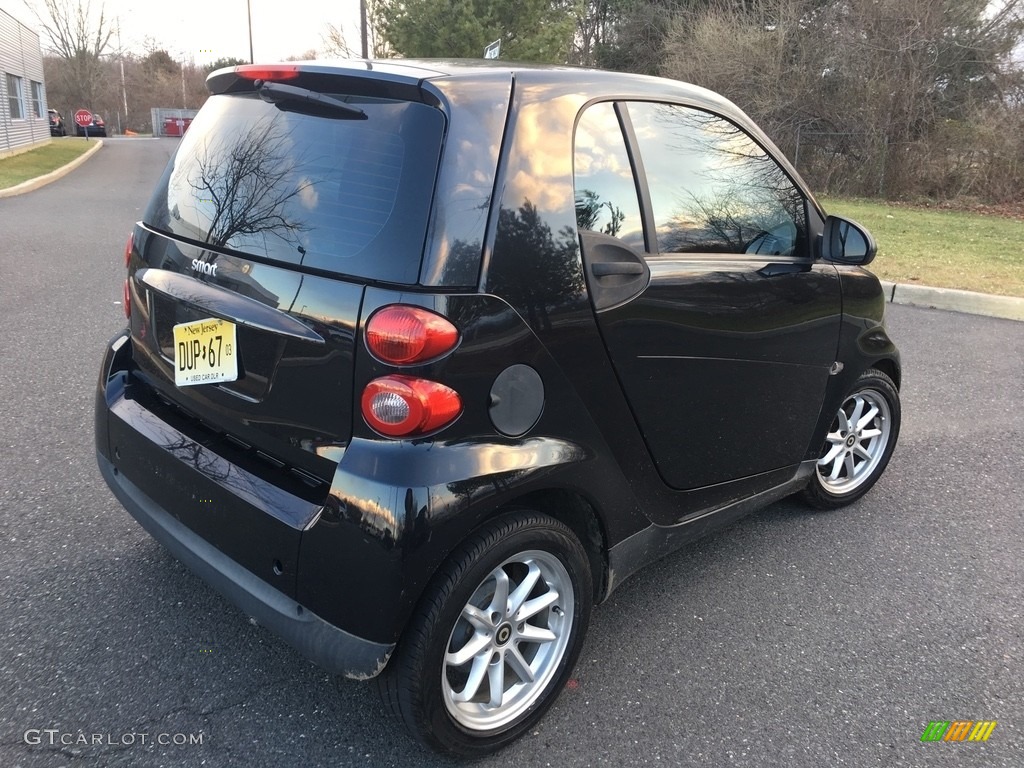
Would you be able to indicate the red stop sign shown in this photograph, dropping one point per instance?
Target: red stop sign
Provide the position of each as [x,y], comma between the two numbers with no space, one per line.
[83,117]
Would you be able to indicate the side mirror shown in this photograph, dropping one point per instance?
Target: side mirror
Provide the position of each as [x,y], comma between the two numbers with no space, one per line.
[847,242]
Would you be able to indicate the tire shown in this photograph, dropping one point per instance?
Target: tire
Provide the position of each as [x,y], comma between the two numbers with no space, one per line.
[859,444]
[494,639]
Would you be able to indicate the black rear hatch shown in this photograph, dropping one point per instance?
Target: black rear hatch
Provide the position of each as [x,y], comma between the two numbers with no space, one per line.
[272,216]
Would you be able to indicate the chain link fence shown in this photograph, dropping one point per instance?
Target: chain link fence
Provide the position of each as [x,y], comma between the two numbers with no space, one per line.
[171,122]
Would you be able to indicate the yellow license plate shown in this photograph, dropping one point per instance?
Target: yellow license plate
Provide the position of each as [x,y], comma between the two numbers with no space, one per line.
[205,352]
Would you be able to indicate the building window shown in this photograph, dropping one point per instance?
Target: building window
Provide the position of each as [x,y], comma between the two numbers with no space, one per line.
[16,97]
[37,99]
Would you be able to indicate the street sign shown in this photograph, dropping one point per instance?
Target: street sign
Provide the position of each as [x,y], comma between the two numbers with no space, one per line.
[492,50]
[83,117]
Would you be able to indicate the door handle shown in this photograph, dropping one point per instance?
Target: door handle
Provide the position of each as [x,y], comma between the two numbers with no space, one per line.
[606,268]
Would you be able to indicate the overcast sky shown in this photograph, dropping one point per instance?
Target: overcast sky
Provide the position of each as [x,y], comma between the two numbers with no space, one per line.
[205,30]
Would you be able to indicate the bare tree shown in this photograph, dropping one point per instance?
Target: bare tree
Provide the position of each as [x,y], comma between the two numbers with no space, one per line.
[883,96]
[336,44]
[80,37]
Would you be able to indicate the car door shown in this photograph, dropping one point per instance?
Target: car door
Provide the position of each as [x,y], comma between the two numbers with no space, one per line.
[719,323]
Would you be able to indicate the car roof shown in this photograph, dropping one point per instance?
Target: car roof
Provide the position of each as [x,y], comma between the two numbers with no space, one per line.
[595,83]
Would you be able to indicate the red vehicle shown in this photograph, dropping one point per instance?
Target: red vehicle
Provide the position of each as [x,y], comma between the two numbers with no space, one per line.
[56,123]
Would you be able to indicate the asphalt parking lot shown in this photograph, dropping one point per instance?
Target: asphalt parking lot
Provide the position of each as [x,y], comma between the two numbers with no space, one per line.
[790,639]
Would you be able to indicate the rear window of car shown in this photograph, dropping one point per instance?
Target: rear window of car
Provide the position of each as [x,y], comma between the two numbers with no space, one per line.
[340,194]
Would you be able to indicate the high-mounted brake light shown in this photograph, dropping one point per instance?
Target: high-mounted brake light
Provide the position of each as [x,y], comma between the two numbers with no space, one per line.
[405,335]
[260,72]
[406,406]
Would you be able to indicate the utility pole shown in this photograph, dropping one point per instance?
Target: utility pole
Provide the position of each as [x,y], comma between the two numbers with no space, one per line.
[362,28]
[248,10]
[124,90]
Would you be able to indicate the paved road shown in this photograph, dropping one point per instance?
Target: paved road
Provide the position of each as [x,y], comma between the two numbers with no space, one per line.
[791,639]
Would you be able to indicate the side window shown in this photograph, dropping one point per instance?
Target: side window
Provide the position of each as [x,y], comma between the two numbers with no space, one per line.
[606,198]
[713,188]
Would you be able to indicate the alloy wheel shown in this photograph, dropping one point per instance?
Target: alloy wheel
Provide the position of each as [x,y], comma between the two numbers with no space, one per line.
[509,641]
[856,442]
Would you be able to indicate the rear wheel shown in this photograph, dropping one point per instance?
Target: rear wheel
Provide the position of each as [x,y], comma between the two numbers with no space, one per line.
[495,638]
[859,443]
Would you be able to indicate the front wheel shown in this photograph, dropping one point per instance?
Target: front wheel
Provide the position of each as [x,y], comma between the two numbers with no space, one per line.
[495,638]
[859,443]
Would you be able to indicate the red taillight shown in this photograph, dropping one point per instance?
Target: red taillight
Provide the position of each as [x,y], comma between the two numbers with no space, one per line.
[128,249]
[127,299]
[405,335]
[405,406]
[260,72]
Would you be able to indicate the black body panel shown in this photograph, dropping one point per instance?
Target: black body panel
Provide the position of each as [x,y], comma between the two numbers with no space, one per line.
[724,363]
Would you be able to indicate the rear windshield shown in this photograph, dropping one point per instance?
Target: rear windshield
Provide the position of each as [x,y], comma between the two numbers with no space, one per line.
[350,196]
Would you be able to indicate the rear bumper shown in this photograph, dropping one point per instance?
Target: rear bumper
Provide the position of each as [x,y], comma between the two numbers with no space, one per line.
[323,643]
[234,530]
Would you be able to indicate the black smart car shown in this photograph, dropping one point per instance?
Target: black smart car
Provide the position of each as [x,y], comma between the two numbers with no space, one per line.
[425,358]
[96,128]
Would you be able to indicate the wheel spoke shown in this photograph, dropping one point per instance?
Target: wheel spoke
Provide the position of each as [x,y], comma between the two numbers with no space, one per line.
[837,467]
[849,465]
[519,666]
[476,677]
[532,634]
[535,606]
[499,602]
[496,679]
[869,433]
[858,411]
[519,595]
[868,417]
[831,456]
[477,618]
[861,451]
[844,423]
[473,646]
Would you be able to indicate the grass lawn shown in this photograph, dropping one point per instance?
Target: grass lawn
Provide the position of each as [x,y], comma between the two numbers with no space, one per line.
[947,249]
[14,170]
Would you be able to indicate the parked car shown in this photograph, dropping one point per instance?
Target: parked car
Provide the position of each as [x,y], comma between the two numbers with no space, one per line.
[96,128]
[423,359]
[56,123]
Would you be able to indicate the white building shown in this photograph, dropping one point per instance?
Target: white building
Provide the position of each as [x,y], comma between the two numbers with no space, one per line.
[23,120]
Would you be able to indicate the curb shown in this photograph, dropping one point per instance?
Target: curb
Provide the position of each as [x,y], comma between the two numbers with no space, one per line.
[42,181]
[970,302]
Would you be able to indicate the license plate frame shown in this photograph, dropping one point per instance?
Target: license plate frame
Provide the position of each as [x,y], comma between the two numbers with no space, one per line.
[205,352]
